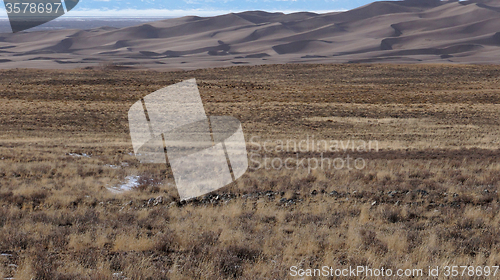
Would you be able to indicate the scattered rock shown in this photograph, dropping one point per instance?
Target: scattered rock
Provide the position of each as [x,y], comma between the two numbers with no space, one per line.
[287,201]
[151,201]
[422,192]
[158,200]
[392,193]
[128,203]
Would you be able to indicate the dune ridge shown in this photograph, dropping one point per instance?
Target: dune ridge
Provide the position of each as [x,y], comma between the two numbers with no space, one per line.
[410,31]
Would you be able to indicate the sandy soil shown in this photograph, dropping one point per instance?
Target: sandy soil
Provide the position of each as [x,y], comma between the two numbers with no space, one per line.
[387,31]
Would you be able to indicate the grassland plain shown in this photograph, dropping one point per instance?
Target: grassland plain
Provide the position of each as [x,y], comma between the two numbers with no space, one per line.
[427,196]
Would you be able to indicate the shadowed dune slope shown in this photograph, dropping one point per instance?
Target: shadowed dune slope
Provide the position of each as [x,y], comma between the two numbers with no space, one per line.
[411,31]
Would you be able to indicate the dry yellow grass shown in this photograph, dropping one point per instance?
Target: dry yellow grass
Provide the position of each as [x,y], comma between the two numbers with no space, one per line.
[427,196]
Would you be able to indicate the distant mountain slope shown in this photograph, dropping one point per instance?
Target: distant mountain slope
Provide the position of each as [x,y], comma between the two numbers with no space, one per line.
[411,31]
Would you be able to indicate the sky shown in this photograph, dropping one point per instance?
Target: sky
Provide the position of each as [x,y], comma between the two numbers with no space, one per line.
[177,8]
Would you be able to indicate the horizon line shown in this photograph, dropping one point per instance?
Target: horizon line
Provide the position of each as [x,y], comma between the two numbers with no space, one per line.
[162,13]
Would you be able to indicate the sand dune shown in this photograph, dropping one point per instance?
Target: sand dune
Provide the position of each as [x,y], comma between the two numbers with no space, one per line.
[411,31]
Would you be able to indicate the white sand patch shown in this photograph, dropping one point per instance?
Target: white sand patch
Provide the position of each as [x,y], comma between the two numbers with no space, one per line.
[79,155]
[130,183]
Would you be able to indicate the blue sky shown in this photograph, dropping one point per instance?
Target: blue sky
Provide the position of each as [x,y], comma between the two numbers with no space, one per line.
[155,8]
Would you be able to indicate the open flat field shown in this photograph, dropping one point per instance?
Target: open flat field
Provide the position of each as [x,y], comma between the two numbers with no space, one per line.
[422,192]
